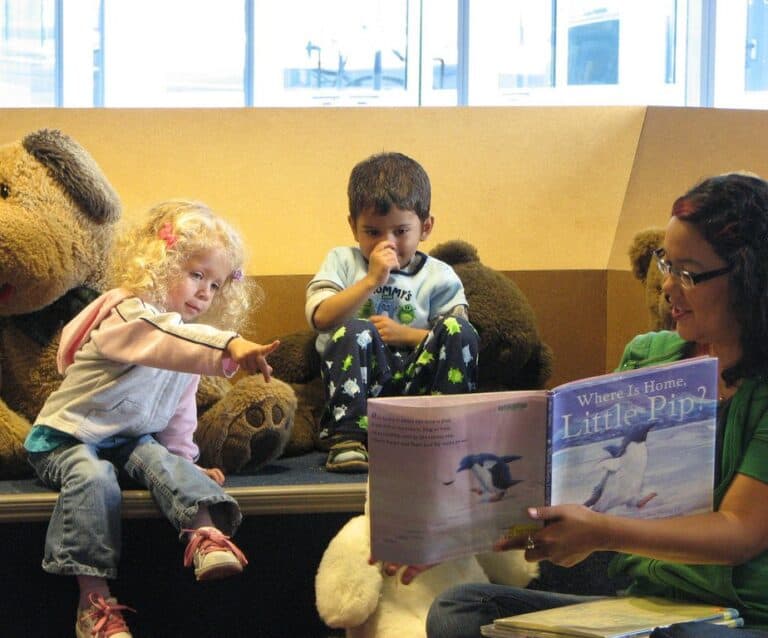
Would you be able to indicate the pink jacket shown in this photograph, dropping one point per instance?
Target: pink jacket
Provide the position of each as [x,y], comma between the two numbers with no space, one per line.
[131,370]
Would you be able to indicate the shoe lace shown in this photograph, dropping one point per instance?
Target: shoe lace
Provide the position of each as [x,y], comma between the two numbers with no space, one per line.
[210,539]
[107,616]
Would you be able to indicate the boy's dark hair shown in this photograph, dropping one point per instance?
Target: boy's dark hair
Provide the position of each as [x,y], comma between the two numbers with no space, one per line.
[386,180]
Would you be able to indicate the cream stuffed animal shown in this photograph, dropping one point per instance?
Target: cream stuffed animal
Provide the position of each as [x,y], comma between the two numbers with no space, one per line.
[353,595]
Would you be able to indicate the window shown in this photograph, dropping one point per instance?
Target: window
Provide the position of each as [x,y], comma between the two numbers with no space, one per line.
[756,52]
[511,50]
[383,52]
[439,53]
[741,62]
[190,53]
[593,48]
[335,52]
[27,53]
[612,52]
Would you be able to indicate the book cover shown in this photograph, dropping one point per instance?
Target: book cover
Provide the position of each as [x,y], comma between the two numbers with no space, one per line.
[452,474]
[620,445]
[618,617]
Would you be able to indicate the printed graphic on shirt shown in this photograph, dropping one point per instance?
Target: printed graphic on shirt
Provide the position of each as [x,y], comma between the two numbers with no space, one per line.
[392,302]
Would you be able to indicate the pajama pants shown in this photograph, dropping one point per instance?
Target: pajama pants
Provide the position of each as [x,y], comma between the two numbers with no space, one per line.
[357,365]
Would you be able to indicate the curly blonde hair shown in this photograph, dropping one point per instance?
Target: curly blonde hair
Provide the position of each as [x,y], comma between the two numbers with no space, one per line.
[150,255]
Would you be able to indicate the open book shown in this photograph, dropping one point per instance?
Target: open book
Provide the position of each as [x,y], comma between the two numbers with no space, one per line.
[451,474]
[622,617]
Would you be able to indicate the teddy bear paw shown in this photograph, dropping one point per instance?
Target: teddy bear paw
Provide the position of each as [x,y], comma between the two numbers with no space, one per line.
[249,426]
[271,421]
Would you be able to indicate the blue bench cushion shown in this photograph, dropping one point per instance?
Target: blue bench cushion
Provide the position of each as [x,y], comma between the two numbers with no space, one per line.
[294,485]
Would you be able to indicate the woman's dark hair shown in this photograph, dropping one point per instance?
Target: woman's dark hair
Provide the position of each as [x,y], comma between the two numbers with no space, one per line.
[731,212]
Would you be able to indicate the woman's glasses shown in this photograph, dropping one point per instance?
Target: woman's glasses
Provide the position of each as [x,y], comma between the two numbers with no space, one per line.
[686,279]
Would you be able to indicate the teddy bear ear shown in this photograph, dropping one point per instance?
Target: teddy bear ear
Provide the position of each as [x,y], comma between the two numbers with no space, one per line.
[455,252]
[70,165]
[641,250]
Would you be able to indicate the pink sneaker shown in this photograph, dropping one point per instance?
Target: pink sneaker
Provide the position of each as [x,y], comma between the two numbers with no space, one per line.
[213,554]
[103,619]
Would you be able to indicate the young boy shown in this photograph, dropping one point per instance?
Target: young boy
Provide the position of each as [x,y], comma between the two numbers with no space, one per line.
[391,319]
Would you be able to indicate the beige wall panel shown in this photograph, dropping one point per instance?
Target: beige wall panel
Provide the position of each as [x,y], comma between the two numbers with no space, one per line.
[627,315]
[678,148]
[571,313]
[532,188]
[282,312]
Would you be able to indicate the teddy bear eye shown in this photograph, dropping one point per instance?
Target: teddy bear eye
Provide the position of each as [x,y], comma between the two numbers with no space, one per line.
[5,191]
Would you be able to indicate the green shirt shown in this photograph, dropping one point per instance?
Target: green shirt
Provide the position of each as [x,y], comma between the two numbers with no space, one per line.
[744,451]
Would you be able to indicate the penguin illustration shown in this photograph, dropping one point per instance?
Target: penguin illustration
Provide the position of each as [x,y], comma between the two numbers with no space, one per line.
[622,481]
[491,471]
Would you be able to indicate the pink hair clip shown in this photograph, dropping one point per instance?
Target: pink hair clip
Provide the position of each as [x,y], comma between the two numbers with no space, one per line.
[166,234]
[237,275]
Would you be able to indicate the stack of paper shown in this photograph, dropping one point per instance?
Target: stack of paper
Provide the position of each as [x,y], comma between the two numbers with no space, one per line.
[621,617]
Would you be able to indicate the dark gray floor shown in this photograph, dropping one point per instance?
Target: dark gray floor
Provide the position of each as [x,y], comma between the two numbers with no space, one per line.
[274,598]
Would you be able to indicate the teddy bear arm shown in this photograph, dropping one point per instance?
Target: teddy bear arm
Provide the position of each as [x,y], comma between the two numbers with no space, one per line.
[347,588]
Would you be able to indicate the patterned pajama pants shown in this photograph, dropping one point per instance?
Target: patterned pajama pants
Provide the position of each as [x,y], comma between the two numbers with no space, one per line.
[357,365]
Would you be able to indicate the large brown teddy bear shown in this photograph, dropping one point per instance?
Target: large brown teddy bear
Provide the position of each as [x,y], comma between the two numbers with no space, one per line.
[58,215]
[645,270]
[512,354]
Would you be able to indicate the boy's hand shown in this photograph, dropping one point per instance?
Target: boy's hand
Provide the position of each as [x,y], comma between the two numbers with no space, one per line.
[381,261]
[252,357]
[396,334]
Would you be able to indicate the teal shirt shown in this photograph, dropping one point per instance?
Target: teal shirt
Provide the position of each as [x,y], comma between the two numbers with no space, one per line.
[744,451]
[41,438]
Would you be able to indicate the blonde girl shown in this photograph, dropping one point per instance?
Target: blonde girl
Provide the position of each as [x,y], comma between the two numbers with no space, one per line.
[132,360]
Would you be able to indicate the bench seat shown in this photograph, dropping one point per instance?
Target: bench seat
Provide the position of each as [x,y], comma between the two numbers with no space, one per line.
[295,485]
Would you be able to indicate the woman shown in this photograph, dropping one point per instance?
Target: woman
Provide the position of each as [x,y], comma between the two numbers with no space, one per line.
[715,262]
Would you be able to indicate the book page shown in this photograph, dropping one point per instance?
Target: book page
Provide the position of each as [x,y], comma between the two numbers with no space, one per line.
[638,443]
[450,475]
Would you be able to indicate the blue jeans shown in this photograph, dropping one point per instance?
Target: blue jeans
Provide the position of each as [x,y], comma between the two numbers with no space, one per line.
[460,611]
[83,536]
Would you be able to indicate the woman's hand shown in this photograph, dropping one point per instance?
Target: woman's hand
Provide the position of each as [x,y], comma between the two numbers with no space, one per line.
[409,573]
[572,533]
